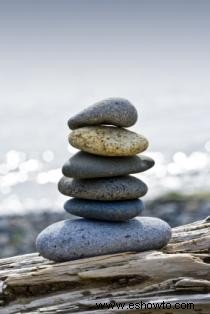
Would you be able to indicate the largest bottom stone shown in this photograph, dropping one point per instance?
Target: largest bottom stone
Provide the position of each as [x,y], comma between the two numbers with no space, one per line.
[73,239]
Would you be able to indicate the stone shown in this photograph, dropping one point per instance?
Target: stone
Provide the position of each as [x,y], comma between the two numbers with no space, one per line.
[108,141]
[84,165]
[114,111]
[103,189]
[110,211]
[73,239]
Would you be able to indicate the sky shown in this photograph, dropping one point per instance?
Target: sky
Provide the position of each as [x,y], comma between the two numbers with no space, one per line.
[56,57]
[56,50]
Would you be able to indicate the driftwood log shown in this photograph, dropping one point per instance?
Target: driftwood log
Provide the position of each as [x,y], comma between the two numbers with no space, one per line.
[180,273]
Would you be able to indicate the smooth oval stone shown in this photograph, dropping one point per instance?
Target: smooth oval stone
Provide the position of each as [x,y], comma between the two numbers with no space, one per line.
[84,165]
[73,239]
[108,141]
[115,111]
[103,189]
[110,211]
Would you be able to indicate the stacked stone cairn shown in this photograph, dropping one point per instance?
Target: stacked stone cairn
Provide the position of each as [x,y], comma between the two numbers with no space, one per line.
[102,191]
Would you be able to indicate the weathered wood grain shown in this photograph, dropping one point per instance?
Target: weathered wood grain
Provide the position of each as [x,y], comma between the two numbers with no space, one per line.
[178,273]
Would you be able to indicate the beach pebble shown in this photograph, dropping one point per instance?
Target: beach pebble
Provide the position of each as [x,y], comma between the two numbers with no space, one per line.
[108,141]
[114,111]
[73,239]
[103,189]
[84,165]
[110,211]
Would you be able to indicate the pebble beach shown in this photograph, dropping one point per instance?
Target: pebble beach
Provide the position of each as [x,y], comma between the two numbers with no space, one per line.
[178,190]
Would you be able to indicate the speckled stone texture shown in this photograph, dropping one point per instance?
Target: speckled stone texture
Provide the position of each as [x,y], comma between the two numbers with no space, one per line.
[108,141]
[72,239]
[103,189]
[84,166]
[110,211]
[114,111]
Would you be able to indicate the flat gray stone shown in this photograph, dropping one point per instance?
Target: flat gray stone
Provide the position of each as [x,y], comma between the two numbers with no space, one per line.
[73,239]
[84,166]
[108,141]
[114,111]
[110,211]
[103,189]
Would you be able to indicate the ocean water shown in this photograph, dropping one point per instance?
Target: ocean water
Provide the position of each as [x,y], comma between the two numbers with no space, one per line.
[34,146]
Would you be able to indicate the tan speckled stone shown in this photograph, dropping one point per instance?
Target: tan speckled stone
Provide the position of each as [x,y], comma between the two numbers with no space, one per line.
[108,141]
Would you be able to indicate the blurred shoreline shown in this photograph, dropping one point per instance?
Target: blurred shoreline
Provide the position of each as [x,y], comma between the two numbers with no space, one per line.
[19,231]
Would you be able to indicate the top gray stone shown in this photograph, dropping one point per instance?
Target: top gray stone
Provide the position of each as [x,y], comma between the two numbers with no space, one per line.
[114,111]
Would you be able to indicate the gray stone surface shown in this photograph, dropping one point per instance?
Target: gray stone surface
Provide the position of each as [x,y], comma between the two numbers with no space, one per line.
[108,141]
[74,239]
[110,211]
[84,165]
[114,111]
[103,189]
